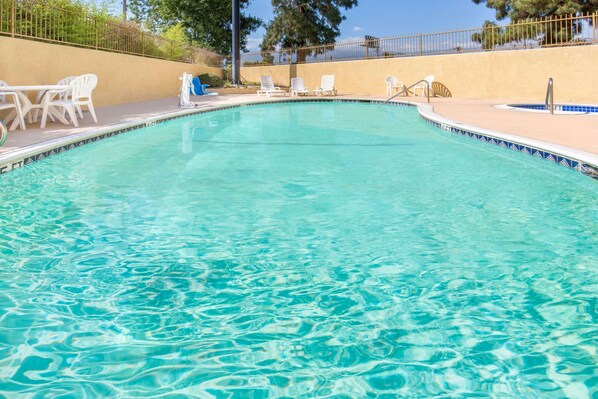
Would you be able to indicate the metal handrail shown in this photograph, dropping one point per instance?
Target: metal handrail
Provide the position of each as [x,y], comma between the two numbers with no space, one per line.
[428,87]
[550,96]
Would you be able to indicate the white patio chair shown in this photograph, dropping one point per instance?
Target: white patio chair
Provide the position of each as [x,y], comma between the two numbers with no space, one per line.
[392,83]
[14,106]
[298,87]
[268,88]
[2,98]
[327,85]
[422,86]
[61,96]
[81,89]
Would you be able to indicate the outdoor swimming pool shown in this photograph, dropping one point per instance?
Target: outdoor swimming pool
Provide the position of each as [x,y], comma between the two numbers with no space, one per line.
[297,250]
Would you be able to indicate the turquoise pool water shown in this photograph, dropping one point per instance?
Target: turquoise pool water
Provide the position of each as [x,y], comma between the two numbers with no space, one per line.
[337,250]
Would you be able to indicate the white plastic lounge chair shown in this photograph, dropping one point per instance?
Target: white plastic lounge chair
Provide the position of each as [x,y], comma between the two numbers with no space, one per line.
[392,83]
[14,105]
[422,86]
[298,87]
[268,87]
[327,85]
[81,89]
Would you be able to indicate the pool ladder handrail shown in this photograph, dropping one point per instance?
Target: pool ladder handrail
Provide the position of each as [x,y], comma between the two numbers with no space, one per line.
[428,87]
[550,96]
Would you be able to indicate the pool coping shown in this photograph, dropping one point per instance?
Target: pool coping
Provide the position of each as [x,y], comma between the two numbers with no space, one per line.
[584,162]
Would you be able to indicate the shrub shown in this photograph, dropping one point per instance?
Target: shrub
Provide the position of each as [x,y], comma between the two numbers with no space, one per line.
[212,80]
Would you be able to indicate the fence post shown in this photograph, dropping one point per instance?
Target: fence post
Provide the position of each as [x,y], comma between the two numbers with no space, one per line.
[421,44]
[594,27]
[290,56]
[143,44]
[95,29]
[492,48]
[13,17]
[324,53]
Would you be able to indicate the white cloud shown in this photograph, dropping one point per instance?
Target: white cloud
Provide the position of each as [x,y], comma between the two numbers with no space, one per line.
[253,43]
[350,39]
[357,29]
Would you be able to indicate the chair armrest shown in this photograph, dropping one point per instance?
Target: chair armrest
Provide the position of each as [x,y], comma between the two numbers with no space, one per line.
[15,97]
[50,94]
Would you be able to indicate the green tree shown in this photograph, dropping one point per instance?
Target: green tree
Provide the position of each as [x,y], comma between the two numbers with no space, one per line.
[545,31]
[178,41]
[487,38]
[523,9]
[207,23]
[300,23]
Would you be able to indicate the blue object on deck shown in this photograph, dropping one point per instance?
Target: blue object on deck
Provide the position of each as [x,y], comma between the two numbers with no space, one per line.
[197,88]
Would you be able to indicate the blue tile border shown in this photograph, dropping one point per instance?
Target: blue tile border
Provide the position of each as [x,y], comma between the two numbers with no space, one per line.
[586,169]
[578,108]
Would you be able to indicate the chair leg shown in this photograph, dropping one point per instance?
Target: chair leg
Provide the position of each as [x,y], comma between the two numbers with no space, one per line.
[18,113]
[92,111]
[80,111]
[70,109]
[20,117]
[44,116]
[35,114]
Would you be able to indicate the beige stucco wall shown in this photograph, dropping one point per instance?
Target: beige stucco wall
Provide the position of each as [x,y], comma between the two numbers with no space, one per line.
[121,78]
[507,74]
[281,74]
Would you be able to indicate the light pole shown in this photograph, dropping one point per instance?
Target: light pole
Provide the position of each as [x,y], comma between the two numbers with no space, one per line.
[236,43]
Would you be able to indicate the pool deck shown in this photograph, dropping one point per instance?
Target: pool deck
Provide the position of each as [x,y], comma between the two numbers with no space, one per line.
[577,132]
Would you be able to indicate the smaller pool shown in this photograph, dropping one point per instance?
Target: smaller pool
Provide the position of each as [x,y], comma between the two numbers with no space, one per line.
[558,108]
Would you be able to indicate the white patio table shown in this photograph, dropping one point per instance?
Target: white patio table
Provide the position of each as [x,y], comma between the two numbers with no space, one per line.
[27,105]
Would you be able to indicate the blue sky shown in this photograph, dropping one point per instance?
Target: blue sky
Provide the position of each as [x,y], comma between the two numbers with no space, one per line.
[383,18]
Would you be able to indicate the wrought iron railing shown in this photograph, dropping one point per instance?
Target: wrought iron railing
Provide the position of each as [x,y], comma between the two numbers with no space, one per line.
[42,21]
[568,30]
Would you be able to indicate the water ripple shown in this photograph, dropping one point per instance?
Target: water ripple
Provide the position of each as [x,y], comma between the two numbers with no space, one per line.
[410,263]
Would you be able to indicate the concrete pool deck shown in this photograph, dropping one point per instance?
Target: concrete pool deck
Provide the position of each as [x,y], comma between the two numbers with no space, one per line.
[574,131]
[577,132]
